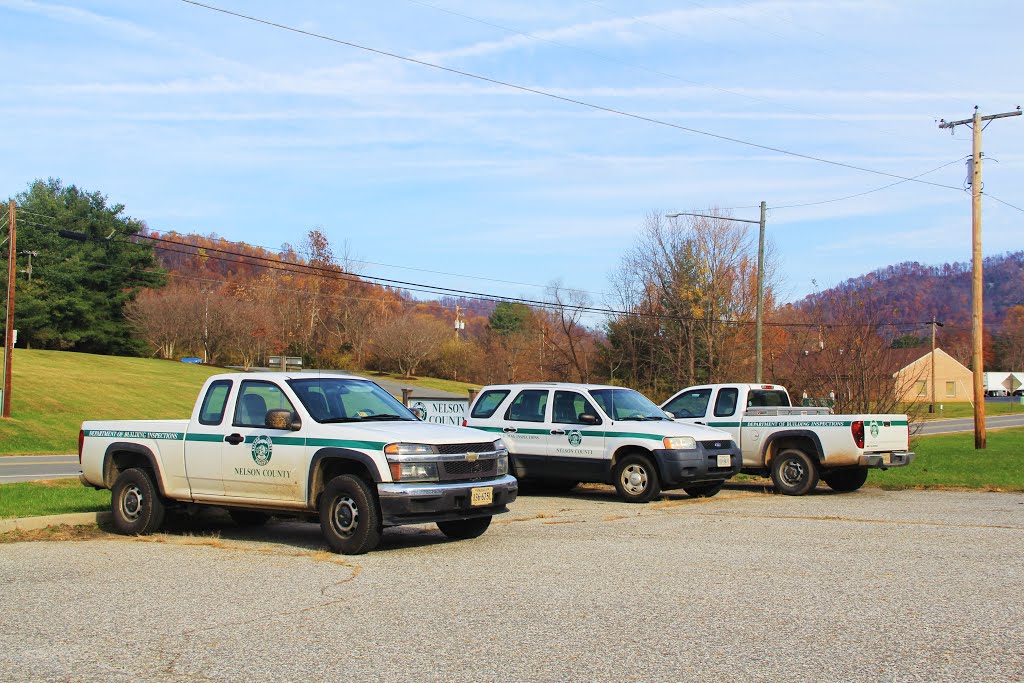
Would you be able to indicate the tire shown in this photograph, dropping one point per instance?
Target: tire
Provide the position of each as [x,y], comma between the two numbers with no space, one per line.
[136,504]
[350,516]
[636,479]
[794,473]
[464,528]
[704,490]
[248,517]
[845,481]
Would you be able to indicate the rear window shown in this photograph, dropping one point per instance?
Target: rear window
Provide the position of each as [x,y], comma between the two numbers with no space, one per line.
[488,403]
[767,398]
[528,406]
[212,412]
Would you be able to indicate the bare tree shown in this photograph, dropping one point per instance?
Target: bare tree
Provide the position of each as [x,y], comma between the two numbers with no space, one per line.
[408,340]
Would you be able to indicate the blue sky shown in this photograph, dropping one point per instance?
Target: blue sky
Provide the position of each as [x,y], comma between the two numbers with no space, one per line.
[199,122]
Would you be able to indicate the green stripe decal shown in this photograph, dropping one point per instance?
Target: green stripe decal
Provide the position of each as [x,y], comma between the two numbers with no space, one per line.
[723,424]
[205,437]
[127,434]
[345,443]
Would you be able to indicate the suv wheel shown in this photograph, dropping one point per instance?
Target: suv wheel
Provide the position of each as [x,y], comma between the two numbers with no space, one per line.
[704,490]
[636,479]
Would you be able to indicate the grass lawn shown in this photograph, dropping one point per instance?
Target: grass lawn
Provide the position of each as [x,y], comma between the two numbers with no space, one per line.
[54,391]
[949,460]
[425,382]
[55,497]
[966,409]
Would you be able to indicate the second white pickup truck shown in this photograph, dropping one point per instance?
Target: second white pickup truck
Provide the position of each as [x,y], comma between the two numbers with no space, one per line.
[332,447]
[795,445]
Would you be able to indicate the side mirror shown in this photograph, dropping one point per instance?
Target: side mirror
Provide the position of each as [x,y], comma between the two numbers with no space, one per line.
[282,419]
[669,415]
[589,419]
[420,412]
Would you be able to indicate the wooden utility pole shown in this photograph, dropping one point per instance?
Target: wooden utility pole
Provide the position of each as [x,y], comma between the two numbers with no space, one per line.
[935,323]
[12,251]
[758,363]
[977,303]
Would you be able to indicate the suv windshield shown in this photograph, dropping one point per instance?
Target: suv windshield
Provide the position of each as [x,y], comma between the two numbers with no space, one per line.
[336,399]
[626,404]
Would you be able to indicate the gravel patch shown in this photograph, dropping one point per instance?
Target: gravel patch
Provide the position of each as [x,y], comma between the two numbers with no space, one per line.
[876,585]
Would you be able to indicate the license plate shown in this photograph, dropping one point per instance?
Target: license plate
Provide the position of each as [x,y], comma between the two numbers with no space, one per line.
[481,496]
[724,460]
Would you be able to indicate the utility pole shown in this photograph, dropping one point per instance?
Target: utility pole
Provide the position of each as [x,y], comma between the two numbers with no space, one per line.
[935,323]
[977,303]
[12,270]
[758,367]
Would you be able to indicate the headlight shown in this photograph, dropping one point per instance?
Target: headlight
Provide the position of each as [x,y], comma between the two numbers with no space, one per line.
[500,446]
[414,471]
[409,449]
[680,443]
[502,465]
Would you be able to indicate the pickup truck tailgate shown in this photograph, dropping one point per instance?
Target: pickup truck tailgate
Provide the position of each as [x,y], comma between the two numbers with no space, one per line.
[885,433]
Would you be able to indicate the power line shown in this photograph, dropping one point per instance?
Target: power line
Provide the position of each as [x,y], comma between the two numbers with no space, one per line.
[877,189]
[632,65]
[326,273]
[1002,202]
[543,93]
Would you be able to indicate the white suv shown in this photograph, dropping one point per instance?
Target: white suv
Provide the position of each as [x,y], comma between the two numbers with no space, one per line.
[562,434]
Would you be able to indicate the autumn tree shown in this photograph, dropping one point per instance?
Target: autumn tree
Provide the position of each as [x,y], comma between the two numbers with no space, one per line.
[407,340]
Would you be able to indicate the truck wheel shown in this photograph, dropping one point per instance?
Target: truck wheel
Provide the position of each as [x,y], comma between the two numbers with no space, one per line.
[464,528]
[845,481]
[136,504]
[794,473]
[349,516]
[636,479]
[248,517]
[704,490]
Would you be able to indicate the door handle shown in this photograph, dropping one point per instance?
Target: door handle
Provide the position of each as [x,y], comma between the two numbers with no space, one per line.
[557,431]
[509,430]
[698,422]
[234,439]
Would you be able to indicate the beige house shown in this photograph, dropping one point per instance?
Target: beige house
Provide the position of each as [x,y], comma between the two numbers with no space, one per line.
[953,381]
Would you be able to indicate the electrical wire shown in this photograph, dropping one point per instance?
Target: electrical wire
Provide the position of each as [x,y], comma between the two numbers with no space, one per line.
[562,98]
[329,274]
[861,194]
[1012,206]
[632,65]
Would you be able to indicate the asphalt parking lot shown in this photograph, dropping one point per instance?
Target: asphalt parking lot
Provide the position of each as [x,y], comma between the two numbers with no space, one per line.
[876,585]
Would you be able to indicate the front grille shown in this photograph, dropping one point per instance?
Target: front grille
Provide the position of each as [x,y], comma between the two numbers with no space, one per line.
[453,448]
[463,469]
[719,445]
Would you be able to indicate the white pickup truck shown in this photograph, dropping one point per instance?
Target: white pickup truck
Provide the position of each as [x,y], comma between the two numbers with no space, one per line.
[796,445]
[331,446]
[561,434]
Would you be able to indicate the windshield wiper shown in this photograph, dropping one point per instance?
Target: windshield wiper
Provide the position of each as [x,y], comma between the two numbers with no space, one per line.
[378,418]
[633,418]
[330,420]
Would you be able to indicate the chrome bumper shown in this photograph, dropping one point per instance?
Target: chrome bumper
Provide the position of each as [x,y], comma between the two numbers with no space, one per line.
[897,459]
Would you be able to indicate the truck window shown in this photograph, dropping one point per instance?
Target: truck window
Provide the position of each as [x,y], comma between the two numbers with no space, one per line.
[255,399]
[693,403]
[725,402]
[528,406]
[767,398]
[568,406]
[212,412]
[489,402]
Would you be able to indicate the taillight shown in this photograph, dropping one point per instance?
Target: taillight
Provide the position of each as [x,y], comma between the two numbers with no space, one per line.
[857,428]
[81,443]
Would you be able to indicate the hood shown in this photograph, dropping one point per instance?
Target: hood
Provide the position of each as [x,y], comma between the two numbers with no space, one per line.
[407,431]
[699,432]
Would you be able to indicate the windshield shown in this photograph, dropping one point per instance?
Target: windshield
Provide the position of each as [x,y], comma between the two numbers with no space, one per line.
[336,399]
[626,404]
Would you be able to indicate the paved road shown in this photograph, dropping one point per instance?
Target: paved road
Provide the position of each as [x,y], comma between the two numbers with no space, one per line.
[908,586]
[32,467]
[966,424]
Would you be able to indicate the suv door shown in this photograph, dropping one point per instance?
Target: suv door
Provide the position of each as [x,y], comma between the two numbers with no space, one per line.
[575,445]
[525,431]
